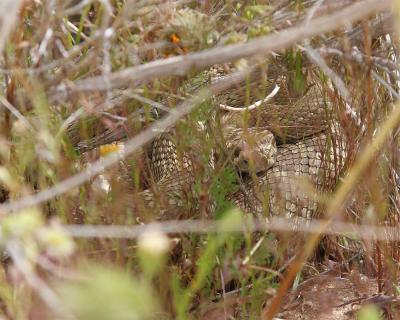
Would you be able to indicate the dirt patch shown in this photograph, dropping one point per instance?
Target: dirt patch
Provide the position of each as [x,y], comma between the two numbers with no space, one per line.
[330,298]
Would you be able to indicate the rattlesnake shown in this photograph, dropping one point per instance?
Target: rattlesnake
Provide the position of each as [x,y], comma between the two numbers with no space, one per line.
[291,138]
[296,135]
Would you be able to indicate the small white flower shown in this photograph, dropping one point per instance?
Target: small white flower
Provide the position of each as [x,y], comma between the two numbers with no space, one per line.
[56,241]
[154,242]
[108,33]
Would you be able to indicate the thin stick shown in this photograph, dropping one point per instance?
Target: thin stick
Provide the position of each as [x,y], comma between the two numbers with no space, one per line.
[275,224]
[16,113]
[180,65]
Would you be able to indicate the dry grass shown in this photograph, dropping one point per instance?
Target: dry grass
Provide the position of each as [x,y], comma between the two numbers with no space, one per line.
[80,240]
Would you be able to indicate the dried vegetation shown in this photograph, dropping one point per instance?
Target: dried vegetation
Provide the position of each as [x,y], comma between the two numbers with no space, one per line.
[88,85]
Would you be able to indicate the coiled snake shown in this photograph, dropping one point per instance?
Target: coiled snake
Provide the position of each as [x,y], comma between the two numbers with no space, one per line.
[283,145]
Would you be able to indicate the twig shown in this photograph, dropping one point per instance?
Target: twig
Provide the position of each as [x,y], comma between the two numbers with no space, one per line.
[150,102]
[265,269]
[275,224]
[314,56]
[385,84]
[16,113]
[71,27]
[357,56]
[313,10]
[180,65]
[253,250]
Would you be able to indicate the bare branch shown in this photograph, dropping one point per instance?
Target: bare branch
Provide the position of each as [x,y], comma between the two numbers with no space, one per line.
[16,113]
[276,224]
[180,65]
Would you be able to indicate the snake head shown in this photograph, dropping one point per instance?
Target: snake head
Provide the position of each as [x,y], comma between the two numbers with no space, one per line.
[254,150]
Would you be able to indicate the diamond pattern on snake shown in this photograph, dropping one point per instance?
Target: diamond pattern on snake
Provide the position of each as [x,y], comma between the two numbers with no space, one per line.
[288,142]
[284,148]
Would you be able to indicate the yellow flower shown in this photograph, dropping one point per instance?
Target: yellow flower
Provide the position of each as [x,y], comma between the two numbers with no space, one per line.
[174,39]
[106,149]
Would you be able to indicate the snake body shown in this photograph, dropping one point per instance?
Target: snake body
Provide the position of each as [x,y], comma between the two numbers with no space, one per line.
[282,189]
[286,146]
[293,145]
[310,156]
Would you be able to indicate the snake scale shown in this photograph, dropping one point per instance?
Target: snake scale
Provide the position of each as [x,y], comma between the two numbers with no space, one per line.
[311,149]
[291,147]
[294,143]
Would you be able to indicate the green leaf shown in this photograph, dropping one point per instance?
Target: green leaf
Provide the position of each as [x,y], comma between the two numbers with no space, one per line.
[369,312]
[223,184]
